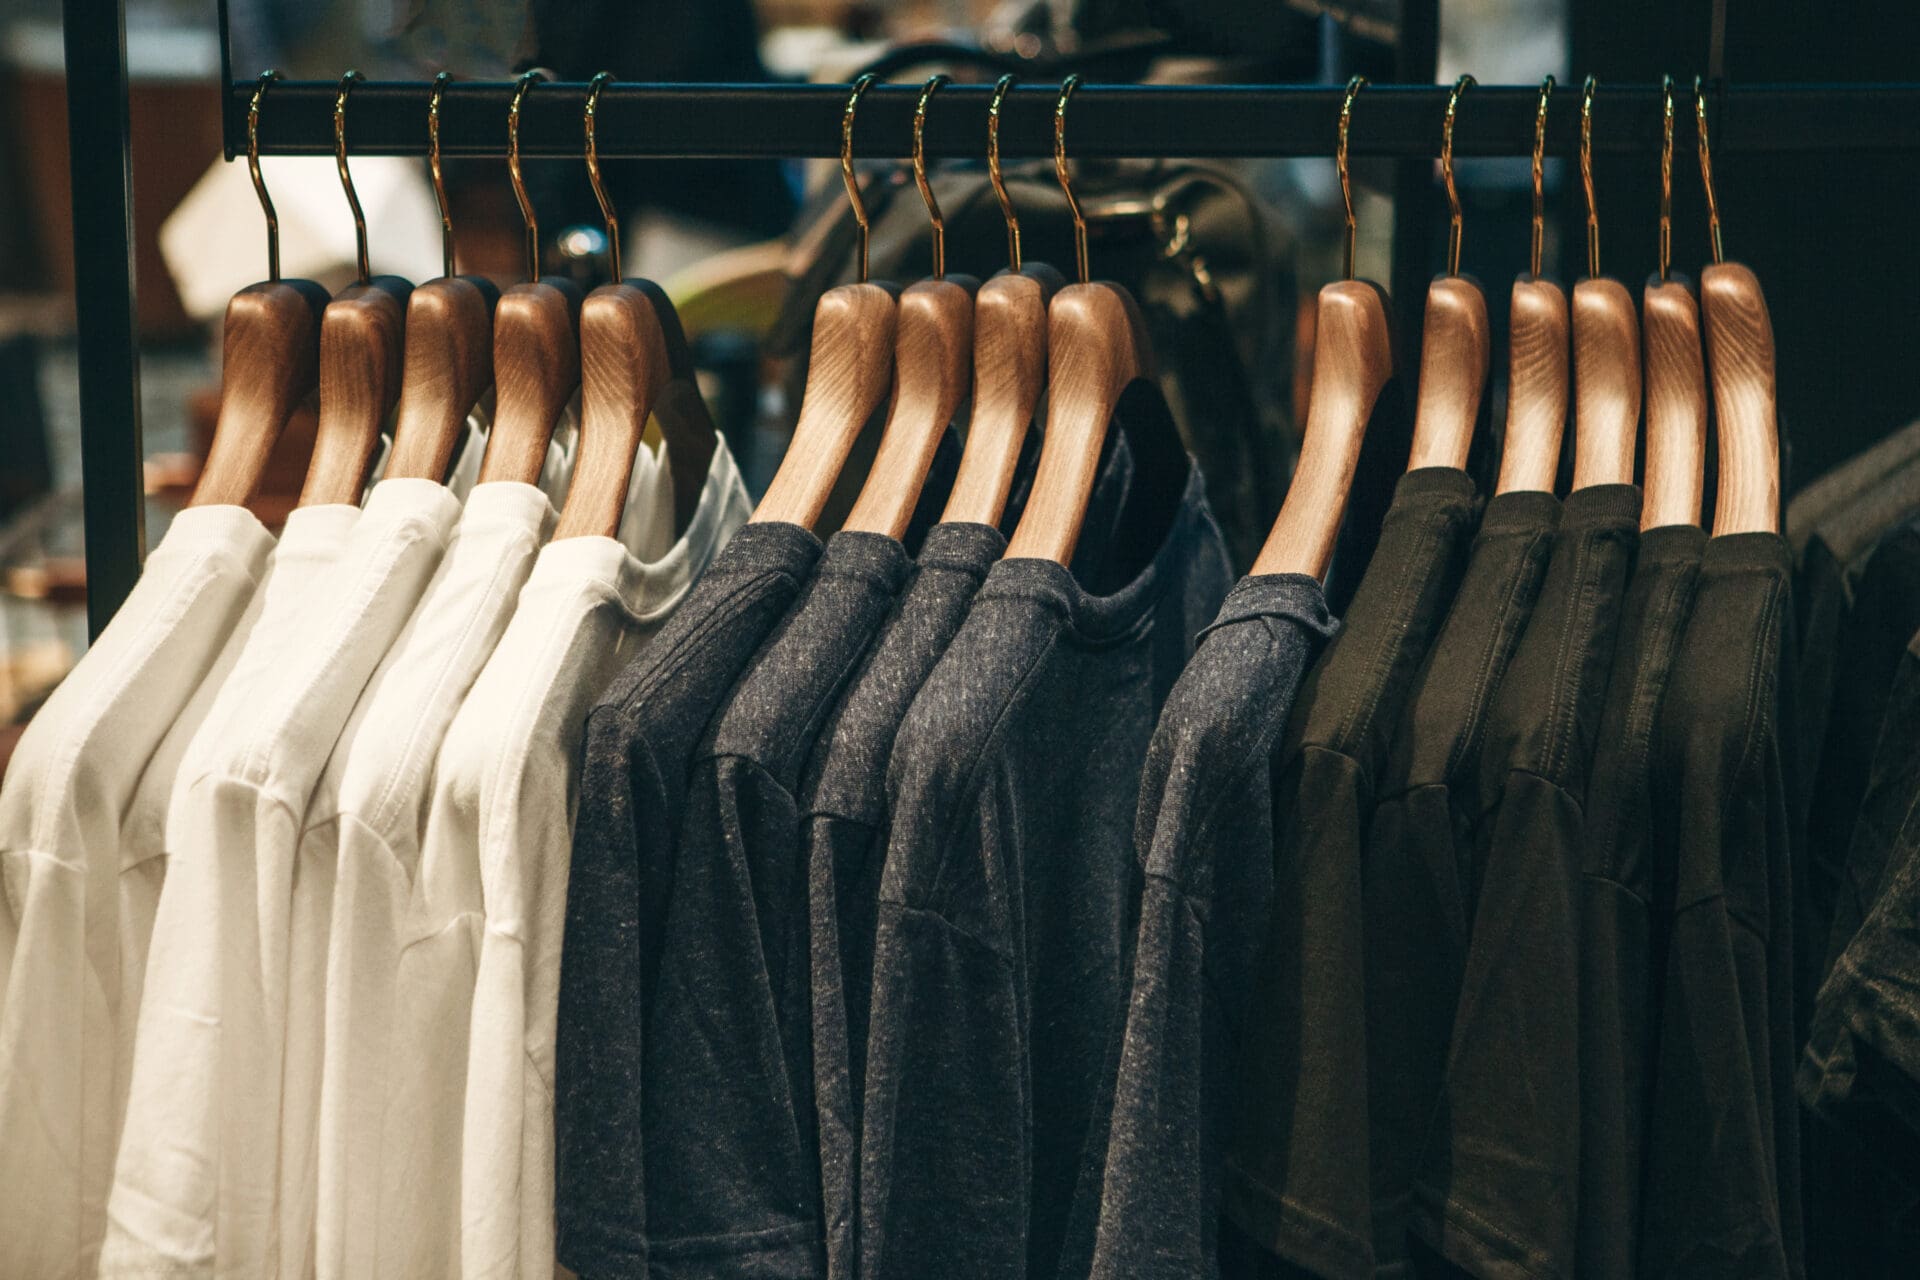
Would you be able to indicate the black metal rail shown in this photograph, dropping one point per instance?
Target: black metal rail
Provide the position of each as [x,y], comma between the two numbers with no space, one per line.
[740,121]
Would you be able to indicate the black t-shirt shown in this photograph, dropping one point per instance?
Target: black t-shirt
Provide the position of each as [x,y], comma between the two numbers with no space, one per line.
[1623,903]
[1420,846]
[1204,839]
[1720,1193]
[1498,1183]
[1007,901]
[639,1183]
[1297,1180]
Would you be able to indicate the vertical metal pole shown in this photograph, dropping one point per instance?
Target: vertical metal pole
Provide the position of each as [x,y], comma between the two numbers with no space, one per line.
[110,452]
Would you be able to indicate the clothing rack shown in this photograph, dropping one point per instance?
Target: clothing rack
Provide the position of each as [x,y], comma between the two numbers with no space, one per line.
[789,121]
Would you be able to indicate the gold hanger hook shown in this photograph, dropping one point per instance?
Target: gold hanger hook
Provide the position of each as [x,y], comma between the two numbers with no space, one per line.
[1540,174]
[1586,175]
[1666,176]
[526,81]
[993,169]
[920,177]
[1066,183]
[267,77]
[346,179]
[1446,172]
[846,169]
[1354,86]
[433,166]
[1706,167]
[593,175]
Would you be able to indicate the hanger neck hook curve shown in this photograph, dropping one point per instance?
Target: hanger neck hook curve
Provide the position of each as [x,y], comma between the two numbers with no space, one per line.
[1706,167]
[267,77]
[860,86]
[433,166]
[1067,87]
[593,175]
[1354,86]
[346,178]
[1666,177]
[1446,172]
[526,81]
[1586,175]
[920,177]
[993,169]
[1540,175]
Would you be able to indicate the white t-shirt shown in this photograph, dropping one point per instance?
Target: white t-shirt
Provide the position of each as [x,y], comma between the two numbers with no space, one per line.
[67,788]
[499,838]
[195,1184]
[365,822]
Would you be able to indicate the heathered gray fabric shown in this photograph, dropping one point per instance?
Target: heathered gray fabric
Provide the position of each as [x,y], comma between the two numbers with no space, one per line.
[1008,897]
[647,934]
[1204,840]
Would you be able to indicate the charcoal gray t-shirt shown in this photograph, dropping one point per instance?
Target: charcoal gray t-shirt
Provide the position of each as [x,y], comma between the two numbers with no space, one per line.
[1007,898]
[1204,840]
[640,1183]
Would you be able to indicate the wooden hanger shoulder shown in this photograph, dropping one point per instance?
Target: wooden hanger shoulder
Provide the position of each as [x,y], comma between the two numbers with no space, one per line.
[1740,358]
[448,367]
[623,365]
[536,370]
[1009,373]
[1676,405]
[270,363]
[1538,351]
[1606,383]
[1453,373]
[360,362]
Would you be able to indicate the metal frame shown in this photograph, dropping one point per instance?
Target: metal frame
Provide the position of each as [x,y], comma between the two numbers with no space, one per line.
[735,121]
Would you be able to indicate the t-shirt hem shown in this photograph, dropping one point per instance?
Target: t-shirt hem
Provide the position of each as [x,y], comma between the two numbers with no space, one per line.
[1467,1240]
[1293,1232]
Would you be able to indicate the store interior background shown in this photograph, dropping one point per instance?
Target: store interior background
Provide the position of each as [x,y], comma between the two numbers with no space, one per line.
[1830,236]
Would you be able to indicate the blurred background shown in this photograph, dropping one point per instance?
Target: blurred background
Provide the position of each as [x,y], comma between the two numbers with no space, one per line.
[1226,257]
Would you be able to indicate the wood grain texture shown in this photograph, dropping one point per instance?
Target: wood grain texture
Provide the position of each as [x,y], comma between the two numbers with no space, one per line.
[1539,349]
[449,366]
[679,410]
[536,370]
[1606,383]
[1676,404]
[932,365]
[1455,347]
[1009,373]
[1352,361]
[1740,358]
[361,337]
[849,369]
[270,363]
[623,366]
[1096,346]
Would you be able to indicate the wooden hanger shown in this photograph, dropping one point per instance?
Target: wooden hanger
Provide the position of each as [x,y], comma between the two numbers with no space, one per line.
[270,356]
[1352,361]
[1009,360]
[634,363]
[1676,373]
[449,345]
[360,356]
[1741,356]
[1455,344]
[1606,352]
[1096,348]
[536,346]
[1537,353]
[849,368]
[933,354]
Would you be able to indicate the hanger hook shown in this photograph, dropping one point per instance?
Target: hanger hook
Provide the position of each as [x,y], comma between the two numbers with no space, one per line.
[433,166]
[1060,171]
[346,179]
[267,77]
[920,177]
[1586,175]
[1666,177]
[1706,166]
[1354,86]
[593,175]
[846,168]
[993,169]
[526,81]
[1446,172]
[1540,174]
